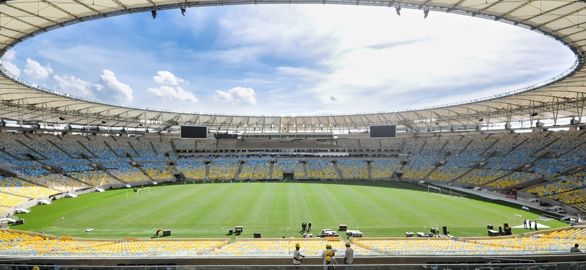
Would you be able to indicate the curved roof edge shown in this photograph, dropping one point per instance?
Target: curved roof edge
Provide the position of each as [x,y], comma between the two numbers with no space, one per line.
[558,19]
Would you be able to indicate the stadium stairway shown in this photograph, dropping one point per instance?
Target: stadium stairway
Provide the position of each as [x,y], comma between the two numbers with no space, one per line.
[109,147]
[239,170]
[516,146]
[498,178]
[422,147]
[206,176]
[133,149]
[31,149]
[271,168]
[337,169]
[478,165]
[465,146]
[530,183]
[114,177]
[305,174]
[93,155]
[60,149]
[433,169]
[464,174]
[173,147]
[4,151]
[77,179]
[547,145]
[154,148]
[146,174]
[551,179]
[490,146]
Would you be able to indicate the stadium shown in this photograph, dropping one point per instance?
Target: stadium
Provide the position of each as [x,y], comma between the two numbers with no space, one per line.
[495,182]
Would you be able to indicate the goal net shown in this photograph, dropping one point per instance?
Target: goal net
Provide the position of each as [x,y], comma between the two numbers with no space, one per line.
[434,189]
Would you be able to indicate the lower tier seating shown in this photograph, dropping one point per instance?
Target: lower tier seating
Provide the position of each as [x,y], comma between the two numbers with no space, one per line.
[17,243]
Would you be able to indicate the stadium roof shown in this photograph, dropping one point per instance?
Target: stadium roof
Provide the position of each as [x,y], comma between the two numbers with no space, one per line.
[561,96]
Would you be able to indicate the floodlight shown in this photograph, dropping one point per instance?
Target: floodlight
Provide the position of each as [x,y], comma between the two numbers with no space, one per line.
[154,13]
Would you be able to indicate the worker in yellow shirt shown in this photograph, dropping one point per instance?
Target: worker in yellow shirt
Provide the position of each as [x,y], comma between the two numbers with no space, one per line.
[329,252]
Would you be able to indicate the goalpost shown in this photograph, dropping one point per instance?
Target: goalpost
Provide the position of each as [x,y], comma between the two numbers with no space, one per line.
[438,190]
[140,192]
[434,189]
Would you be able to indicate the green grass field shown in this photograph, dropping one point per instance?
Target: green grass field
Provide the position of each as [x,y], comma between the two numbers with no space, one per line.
[273,209]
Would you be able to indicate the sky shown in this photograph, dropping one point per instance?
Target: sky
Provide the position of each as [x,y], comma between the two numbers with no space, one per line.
[287,59]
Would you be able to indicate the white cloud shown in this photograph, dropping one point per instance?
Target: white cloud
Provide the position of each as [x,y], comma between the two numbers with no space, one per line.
[285,36]
[314,54]
[9,55]
[173,93]
[399,62]
[37,71]
[12,68]
[7,59]
[237,95]
[72,85]
[166,77]
[239,55]
[110,87]
[300,72]
[169,89]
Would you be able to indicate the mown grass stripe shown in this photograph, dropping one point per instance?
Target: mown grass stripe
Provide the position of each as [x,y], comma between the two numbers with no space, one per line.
[273,209]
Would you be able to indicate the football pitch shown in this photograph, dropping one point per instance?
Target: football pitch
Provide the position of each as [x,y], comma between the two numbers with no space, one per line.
[272,209]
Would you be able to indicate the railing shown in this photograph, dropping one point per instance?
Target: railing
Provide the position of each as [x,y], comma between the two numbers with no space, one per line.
[465,266]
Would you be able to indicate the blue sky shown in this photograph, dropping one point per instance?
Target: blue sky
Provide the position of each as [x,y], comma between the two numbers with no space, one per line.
[287,59]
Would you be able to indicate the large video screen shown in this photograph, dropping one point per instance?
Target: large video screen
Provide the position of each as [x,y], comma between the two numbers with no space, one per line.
[193,132]
[383,131]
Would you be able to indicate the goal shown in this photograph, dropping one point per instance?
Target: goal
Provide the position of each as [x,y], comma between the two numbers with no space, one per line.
[434,189]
